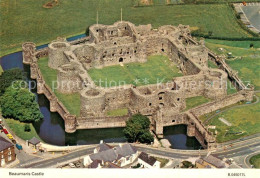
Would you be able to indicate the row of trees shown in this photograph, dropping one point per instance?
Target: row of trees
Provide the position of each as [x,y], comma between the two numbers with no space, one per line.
[16,100]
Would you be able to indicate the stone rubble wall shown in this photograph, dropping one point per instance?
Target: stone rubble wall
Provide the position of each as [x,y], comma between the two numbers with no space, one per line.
[123,43]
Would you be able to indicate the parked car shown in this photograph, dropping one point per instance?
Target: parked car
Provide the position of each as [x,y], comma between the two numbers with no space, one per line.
[10,136]
[5,131]
[72,165]
[18,146]
[1,127]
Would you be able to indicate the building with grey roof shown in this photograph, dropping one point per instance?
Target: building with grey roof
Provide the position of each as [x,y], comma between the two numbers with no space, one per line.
[120,155]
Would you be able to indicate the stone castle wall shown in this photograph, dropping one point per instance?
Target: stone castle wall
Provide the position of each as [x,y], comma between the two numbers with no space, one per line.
[124,43]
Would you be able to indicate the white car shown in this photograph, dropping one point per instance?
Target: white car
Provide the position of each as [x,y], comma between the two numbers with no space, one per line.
[72,165]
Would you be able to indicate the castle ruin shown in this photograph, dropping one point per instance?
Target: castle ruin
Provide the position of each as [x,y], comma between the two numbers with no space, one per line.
[123,43]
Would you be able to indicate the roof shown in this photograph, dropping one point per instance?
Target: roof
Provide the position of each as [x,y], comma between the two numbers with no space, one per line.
[200,161]
[214,161]
[95,164]
[34,141]
[110,165]
[104,147]
[114,153]
[146,158]
[4,144]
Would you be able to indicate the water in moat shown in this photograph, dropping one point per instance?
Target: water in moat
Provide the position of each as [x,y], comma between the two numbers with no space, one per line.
[51,128]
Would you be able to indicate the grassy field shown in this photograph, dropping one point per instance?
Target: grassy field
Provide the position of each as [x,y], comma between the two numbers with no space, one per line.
[245,121]
[70,101]
[255,160]
[18,128]
[28,21]
[195,101]
[1,70]
[246,60]
[240,44]
[157,68]
[118,112]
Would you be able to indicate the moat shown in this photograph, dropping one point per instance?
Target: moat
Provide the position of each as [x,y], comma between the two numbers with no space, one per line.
[51,128]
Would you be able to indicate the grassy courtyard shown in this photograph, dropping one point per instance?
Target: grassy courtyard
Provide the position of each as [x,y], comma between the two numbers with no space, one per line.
[23,21]
[157,68]
[246,61]
[18,128]
[118,112]
[70,101]
[245,121]
[255,160]
[196,101]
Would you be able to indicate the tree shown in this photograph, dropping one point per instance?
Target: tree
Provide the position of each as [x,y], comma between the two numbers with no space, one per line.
[137,129]
[9,76]
[19,103]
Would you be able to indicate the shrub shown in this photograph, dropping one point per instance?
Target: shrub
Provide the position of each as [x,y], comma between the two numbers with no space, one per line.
[27,128]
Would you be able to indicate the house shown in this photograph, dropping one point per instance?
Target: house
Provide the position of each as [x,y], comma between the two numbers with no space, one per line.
[121,155]
[210,161]
[7,152]
[147,161]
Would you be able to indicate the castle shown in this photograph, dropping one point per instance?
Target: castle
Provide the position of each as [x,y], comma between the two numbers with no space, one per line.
[123,43]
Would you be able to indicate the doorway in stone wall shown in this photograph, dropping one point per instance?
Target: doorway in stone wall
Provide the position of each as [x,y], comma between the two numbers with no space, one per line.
[121,59]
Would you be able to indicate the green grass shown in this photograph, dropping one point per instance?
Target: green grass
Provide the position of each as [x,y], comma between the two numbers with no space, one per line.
[70,101]
[195,101]
[1,70]
[246,61]
[18,128]
[239,44]
[212,64]
[23,21]
[230,88]
[255,160]
[118,112]
[243,119]
[157,68]
[162,160]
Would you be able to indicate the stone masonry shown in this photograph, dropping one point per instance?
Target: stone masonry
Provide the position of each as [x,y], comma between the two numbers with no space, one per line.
[123,43]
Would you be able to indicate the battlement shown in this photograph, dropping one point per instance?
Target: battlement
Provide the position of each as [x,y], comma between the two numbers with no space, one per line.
[122,43]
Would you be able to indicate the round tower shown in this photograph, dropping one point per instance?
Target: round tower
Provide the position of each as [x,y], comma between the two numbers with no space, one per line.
[56,54]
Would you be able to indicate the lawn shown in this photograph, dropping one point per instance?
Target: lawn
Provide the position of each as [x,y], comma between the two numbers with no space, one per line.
[163,161]
[157,68]
[195,101]
[1,70]
[240,44]
[245,121]
[23,21]
[255,160]
[70,101]
[246,60]
[18,128]
[118,112]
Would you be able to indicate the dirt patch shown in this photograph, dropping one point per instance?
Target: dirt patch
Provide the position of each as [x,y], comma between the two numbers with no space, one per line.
[146,2]
[50,4]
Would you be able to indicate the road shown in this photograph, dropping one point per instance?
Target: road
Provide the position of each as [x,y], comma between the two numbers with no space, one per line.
[238,149]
